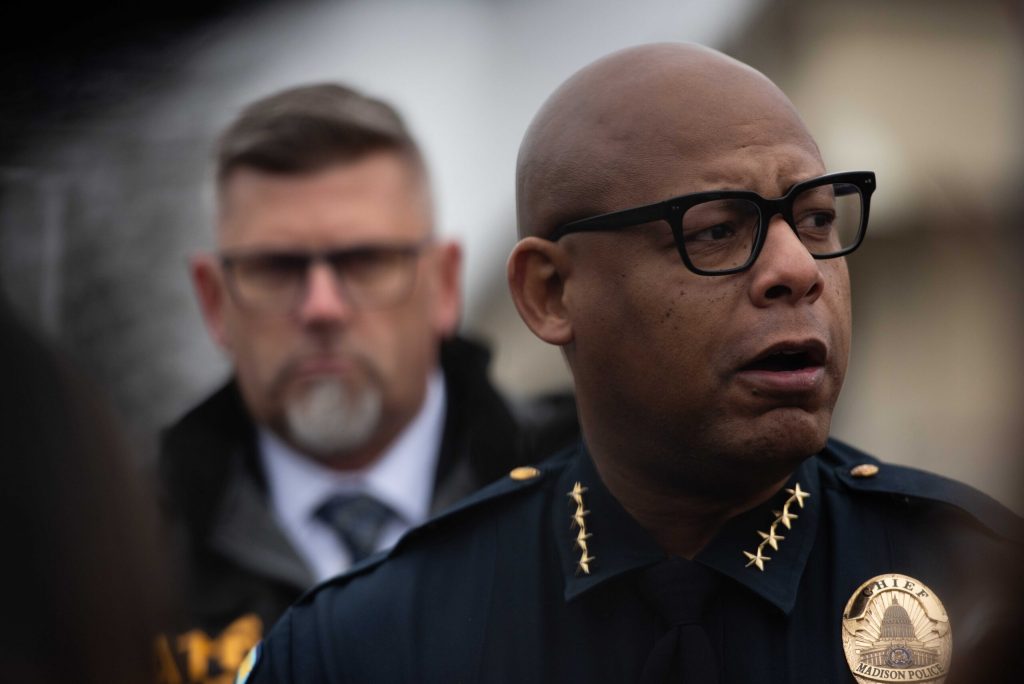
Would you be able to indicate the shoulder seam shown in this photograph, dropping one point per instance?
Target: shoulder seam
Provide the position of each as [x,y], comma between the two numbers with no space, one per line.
[985,510]
[496,491]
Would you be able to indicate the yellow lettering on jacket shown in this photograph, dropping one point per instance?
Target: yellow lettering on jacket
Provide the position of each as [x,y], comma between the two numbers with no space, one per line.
[215,661]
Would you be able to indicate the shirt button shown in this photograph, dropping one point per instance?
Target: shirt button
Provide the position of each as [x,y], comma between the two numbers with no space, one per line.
[524,473]
[864,470]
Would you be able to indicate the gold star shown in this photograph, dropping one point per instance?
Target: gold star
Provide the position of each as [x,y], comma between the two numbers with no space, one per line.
[785,517]
[585,561]
[577,517]
[798,494]
[770,537]
[577,493]
[757,560]
[581,540]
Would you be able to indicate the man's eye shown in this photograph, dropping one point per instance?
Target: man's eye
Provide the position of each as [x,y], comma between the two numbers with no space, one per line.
[817,223]
[369,263]
[274,267]
[719,231]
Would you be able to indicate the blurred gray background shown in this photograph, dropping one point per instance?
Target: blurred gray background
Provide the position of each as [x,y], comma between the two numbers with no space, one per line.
[105,179]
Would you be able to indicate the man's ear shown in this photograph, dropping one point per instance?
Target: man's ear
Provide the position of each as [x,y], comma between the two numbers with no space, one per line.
[448,295]
[537,271]
[208,281]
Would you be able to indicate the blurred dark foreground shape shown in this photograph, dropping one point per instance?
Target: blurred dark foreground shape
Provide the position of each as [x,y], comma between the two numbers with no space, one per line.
[85,590]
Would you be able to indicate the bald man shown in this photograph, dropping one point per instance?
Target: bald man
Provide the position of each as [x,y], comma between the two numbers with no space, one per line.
[684,244]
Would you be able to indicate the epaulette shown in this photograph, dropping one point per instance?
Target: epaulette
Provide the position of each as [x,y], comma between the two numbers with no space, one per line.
[517,480]
[863,473]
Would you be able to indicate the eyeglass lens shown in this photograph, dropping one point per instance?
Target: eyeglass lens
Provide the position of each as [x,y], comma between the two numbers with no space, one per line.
[277,281]
[721,234]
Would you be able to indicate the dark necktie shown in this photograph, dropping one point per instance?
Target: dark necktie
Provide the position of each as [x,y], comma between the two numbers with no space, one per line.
[357,520]
[680,590]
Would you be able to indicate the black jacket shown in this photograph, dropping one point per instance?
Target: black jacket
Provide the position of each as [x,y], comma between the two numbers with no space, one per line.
[495,591]
[239,571]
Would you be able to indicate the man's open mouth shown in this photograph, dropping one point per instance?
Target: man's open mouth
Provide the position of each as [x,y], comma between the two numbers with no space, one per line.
[789,357]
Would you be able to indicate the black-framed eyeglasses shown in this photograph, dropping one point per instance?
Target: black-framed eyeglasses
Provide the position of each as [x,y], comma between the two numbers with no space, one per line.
[722,232]
[276,281]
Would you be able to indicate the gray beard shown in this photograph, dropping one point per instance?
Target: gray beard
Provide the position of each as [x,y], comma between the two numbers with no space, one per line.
[330,418]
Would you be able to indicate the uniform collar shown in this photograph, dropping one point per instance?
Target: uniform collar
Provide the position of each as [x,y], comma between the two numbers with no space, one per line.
[779,582]
[617,544]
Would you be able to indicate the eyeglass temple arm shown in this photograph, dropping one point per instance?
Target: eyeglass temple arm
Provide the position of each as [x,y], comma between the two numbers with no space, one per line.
[614,220]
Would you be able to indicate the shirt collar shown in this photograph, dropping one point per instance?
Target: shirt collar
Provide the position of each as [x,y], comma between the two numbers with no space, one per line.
[618,544]
[402,478]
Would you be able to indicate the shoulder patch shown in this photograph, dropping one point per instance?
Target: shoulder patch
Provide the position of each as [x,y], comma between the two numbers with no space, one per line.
[862,473]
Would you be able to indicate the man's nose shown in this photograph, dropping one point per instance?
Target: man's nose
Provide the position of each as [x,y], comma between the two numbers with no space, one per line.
[785,271]
[323,300]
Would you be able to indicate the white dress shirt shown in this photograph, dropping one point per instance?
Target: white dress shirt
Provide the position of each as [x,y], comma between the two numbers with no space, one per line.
[402,478]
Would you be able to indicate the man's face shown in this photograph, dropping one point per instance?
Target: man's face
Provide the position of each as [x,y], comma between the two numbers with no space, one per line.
[327,361]
[695,361]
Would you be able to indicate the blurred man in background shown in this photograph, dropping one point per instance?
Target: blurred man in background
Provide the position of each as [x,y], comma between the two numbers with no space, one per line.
[354,411]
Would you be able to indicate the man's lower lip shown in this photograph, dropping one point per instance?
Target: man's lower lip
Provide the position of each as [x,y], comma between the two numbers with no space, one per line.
[799,381]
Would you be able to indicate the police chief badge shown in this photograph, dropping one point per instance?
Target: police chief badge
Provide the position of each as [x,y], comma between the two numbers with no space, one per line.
[896,630]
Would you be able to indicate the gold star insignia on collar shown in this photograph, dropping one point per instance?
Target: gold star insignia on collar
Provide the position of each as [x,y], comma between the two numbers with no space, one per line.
[797,494]
[784,518]
[585,563]
[757,559]
[579,520]
[770,537]
[576,494]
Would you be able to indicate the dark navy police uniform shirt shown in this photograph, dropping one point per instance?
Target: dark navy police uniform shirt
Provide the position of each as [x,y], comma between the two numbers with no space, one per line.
[493,591]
